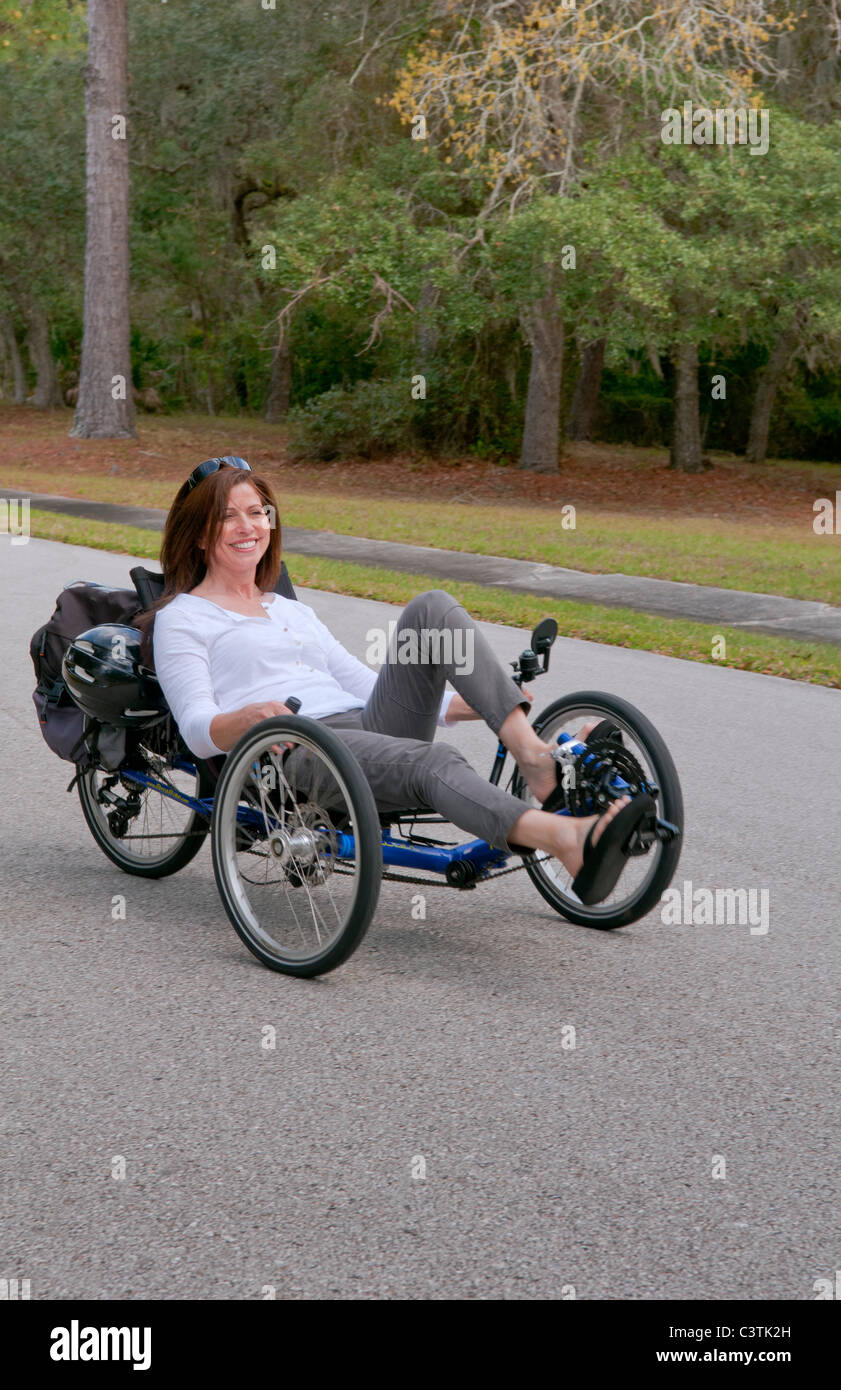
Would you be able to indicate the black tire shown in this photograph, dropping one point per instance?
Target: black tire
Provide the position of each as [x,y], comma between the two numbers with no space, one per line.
[178,833]
[270,889]
[642,896]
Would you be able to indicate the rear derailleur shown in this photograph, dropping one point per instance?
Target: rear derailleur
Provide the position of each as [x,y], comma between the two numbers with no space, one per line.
[123,809]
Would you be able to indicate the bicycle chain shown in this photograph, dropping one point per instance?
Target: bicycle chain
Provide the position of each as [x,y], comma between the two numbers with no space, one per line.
[431,883]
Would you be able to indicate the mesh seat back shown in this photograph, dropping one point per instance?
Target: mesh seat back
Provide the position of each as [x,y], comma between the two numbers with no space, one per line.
[149,585]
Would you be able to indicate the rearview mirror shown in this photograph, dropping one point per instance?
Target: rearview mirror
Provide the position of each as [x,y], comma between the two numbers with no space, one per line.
[544,635]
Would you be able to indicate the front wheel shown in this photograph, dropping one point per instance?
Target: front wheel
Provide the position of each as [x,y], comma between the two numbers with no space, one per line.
[297,845]
[641,758]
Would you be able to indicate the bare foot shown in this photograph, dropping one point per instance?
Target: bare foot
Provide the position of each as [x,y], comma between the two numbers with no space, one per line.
[573,860]
[538,766]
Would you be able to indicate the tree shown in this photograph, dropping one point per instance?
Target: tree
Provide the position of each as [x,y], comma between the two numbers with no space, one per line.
[47,390]
[13,364]
[353,244]
[235,109]
[790,328]
[810,59]
[516,94]
[587,387]
[709,248]
[41,228]
[105,408]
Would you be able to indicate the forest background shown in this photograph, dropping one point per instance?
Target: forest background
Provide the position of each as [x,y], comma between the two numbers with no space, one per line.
[539,245]
[389,242]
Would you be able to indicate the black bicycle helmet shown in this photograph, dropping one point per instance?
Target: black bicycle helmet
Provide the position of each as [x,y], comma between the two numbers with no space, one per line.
[103,672]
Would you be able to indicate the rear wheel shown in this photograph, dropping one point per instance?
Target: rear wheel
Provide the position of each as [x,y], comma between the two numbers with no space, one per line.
[142,830]
[297,846]
[642,760]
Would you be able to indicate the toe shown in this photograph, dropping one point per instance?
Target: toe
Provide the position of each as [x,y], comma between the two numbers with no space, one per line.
[609,815]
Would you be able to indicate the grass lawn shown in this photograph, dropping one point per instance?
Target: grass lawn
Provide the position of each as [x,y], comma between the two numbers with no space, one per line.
[819,663]
[764,558]
[739,526]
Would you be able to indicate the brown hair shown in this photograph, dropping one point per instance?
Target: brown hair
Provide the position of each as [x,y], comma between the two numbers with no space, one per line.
[183,562]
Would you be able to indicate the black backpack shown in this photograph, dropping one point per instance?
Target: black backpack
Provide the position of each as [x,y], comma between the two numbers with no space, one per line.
[79,606]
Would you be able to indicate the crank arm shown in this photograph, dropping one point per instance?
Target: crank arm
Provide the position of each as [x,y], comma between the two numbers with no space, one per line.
[645,836]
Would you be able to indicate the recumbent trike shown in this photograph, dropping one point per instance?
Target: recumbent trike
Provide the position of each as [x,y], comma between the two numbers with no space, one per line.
[300,878]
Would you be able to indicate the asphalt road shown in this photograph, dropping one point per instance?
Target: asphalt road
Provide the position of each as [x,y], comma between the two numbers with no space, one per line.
[547,1168]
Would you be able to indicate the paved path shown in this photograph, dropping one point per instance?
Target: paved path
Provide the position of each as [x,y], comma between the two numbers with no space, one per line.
[440,1039]
[785,617]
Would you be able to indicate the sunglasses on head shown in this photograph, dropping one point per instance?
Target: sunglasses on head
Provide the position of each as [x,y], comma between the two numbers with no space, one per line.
[213,465]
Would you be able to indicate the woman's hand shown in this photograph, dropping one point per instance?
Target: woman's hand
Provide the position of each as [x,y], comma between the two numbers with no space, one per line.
[264,709]
[459,709]
[270,709]
[226,729]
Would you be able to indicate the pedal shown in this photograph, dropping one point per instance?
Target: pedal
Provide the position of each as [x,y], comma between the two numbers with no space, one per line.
[648,833]
[640,841]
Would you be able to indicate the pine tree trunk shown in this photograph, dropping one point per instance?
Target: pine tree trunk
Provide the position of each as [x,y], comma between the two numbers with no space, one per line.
[766,391]
[47,393]
[544,331]
[587,390]
[280,385]
[7,328]
[105,342]
[687,453]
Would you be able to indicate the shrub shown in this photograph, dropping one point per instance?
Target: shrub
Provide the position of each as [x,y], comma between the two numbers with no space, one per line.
[371,417]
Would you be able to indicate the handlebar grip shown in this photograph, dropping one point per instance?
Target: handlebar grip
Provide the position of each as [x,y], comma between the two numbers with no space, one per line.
[292,703]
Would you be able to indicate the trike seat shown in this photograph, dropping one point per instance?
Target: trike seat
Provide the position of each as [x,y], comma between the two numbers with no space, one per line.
[149,585]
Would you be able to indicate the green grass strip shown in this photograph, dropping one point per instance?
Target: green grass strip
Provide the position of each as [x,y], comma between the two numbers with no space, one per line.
[758,557]
[816,662]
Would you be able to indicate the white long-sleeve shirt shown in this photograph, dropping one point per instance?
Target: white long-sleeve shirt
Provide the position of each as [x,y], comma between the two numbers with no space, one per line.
[210,660]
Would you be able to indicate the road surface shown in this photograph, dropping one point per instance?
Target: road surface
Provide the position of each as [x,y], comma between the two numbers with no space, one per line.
[293,1173]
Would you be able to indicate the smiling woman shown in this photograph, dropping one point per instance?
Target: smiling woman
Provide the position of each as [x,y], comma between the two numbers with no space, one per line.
[227,650]
[202,511]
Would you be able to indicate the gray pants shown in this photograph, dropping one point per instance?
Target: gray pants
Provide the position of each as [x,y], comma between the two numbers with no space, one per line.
[391,737]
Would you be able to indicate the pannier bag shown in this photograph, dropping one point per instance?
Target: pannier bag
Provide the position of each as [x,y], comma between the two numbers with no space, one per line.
[79,606]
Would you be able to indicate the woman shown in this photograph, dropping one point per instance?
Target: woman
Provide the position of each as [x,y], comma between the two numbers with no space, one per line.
[228,649]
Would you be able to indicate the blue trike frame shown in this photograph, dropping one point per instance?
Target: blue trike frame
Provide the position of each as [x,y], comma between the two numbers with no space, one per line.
[477,856]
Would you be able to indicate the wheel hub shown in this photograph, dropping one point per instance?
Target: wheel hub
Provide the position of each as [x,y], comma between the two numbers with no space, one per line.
[297,847]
